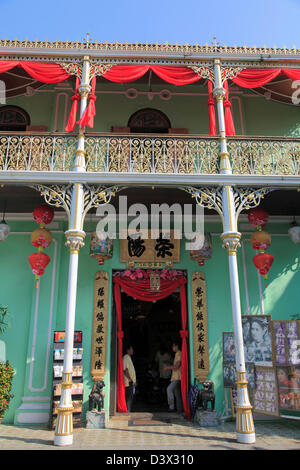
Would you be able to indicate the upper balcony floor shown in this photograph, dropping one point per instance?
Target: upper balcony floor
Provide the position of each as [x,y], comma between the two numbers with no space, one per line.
[148,126]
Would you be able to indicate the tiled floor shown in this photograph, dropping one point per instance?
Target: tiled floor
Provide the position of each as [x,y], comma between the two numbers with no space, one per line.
[175,434]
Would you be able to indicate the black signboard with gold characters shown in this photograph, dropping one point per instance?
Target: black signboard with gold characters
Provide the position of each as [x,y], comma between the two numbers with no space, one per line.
[200,331]
[100,312]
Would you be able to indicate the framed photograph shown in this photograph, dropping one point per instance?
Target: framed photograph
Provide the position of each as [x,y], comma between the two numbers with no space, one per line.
[288,380]
[229,375]
[228,347]
[257,337]
[265,396]
[286,342]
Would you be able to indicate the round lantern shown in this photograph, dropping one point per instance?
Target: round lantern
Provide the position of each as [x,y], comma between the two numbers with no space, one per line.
[204,253]
[101,247]
[38,262]
[260,240]
[41,237]
[258,217]
[294,232]
[43,214]
[263,262]
[4,230]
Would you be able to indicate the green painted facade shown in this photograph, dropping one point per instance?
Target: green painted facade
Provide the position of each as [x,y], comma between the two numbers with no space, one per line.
[28,342]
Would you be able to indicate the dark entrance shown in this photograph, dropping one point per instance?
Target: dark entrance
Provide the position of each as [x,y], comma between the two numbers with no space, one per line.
[146,326]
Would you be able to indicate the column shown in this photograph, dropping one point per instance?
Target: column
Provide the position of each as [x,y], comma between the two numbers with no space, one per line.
[75,240]
[231,241]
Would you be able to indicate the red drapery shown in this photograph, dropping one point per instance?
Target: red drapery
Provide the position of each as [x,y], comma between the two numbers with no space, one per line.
[254,78]
[130,73]
[140,289]
[46,73]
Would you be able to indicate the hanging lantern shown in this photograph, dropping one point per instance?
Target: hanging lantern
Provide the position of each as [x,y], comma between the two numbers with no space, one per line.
[260,240]
[258,217]
[4,230]
[41,237]
[43,214]
[38,262]
[263,262]
[294,232]
[205,252]
[4,227]
[101,247]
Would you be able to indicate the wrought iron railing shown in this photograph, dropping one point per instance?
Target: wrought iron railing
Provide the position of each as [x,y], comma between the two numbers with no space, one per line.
[154,154]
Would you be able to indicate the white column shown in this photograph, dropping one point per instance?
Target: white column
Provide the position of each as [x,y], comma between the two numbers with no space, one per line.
[75,235]
[231,241]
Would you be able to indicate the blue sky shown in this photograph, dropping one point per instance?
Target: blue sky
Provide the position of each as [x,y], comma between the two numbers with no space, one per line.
[255,22]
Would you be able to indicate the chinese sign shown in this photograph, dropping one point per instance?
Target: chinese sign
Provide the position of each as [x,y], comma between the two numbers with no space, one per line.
[286,344]
[200,331]
[163,249]
[265,395]
[100,312]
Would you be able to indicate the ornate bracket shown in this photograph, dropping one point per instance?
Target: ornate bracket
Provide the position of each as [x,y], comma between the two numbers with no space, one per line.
[61,196]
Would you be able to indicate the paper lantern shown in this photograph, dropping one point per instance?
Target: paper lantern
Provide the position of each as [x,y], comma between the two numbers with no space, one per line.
[205,252]
[43,214]
[4,230]
[41,237]
[258,217]
[263,262]
[101,248]
[38,262]
[260,240]
[294,233]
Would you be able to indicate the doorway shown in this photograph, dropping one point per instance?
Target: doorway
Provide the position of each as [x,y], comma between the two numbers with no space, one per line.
[148,326]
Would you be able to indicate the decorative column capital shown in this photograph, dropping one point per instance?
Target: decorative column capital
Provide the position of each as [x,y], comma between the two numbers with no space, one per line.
[231,241]
[74,240]
[219,93]
[84,90]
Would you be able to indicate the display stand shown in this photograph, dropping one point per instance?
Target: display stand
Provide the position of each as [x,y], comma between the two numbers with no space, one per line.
[77,377]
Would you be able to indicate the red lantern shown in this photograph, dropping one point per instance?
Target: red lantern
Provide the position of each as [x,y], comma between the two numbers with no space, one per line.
[43,214]
[260,240]
[41,237]
[38,262]
[258,217]
[263,262]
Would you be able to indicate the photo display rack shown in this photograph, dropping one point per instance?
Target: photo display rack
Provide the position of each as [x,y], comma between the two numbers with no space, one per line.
[77,377]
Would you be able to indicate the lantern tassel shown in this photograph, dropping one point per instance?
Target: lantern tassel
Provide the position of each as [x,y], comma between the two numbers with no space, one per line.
[37,281]
[266,277]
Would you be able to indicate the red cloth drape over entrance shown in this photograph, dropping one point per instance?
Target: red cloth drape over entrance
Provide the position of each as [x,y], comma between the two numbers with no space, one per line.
[140,289]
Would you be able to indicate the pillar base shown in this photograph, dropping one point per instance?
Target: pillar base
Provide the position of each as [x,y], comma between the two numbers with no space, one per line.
[246,438]
[63,440]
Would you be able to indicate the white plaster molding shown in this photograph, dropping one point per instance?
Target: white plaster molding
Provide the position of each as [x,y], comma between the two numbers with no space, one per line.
[33,418]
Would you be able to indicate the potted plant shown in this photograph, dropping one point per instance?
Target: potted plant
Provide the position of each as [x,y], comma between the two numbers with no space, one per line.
[6,377]
[6,370]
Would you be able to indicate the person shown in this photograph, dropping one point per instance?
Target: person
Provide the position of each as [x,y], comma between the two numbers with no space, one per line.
[129,377]
[175,377]
[260,349]
[163,358]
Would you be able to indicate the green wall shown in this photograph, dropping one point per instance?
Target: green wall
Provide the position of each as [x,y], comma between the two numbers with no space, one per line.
[17,291]
[260,117]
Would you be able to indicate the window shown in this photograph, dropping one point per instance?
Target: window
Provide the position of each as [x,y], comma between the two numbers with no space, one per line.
[13,118]
[149,121]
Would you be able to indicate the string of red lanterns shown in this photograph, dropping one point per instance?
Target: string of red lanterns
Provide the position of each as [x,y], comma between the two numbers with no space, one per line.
[41,238]
[261,240]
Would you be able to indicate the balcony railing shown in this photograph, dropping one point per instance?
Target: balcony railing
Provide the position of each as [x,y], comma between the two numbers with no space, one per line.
[150,154]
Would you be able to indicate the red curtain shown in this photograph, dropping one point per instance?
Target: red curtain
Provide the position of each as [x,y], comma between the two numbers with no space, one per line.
[254,78]
[87,119]
[42,71]
[141,290]
[212,126]
[72,117]
[229,125]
